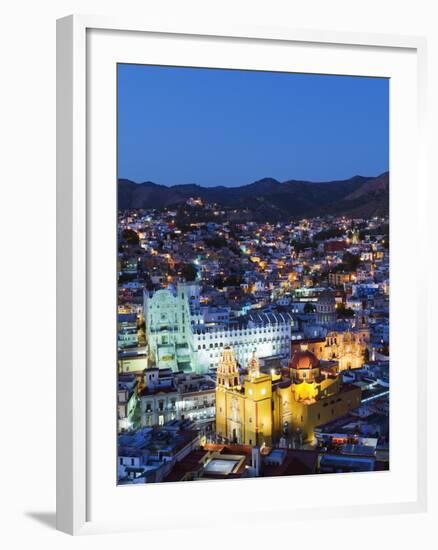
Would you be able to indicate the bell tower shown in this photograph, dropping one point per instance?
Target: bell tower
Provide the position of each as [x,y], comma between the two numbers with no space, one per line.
[253,367]
[227,371]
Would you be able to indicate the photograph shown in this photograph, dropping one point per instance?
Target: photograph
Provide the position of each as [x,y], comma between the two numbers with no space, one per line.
[228,215]
[252,274]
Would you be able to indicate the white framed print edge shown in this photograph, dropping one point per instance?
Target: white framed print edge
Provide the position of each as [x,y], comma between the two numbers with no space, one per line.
[73,223]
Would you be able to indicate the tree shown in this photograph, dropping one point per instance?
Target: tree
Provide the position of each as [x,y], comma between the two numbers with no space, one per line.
[344,312]
[189,272]
[350,261]
[300,246]
[130,237]
[329,234]
[215,242]
[234,279]
[218,282]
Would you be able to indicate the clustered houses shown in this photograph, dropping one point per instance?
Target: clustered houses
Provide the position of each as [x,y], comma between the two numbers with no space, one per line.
[127,334]
[164,396]
[198,280]
[126,400]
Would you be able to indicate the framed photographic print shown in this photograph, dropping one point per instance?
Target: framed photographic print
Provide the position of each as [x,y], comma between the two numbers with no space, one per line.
[239,217]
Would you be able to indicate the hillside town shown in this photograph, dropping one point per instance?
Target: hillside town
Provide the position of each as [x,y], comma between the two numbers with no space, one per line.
[250,348]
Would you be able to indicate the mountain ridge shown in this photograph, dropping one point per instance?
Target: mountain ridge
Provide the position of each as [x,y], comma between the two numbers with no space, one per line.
[358,196]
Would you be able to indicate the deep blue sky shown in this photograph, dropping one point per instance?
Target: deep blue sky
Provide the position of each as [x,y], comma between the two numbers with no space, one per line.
[224,127]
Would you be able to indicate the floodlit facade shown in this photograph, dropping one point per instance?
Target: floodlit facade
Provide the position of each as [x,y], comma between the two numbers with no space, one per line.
[349,348]
[165,397]
[182,337]
[265,408]
[267,333]
[326,308]
[168,327]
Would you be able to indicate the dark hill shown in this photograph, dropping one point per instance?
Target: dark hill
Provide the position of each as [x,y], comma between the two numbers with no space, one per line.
[270,199]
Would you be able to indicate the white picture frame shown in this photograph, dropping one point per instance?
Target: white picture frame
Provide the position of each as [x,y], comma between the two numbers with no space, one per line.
[76,212]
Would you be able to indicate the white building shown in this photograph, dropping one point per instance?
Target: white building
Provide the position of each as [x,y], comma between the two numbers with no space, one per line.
[183,336]
[186,396]
[168,318]
[266,333]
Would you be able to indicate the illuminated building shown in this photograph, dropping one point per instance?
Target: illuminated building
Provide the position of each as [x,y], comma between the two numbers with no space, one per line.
[347,347]
[326,308]
[167,316]
[185,337]
[133,362]
[126,399]
[127,335]
[340,278]
[268,333]
[264,408]
[165,396]
[243,412]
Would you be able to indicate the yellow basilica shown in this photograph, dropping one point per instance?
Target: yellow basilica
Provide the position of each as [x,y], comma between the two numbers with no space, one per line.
[264,408]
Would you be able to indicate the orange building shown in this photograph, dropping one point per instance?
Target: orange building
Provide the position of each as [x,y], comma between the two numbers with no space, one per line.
[263,408]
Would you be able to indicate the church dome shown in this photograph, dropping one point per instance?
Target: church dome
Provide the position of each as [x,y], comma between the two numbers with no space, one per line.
[304,360]
[326,298]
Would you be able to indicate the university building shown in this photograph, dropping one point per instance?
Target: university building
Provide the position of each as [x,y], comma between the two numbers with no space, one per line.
[184,337]
[269,333]
[168,326]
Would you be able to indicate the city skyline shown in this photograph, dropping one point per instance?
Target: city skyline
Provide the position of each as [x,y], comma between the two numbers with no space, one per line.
[253,328]
[216,127]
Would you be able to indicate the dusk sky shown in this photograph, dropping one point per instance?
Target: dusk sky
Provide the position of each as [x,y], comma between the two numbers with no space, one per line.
[227,127]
